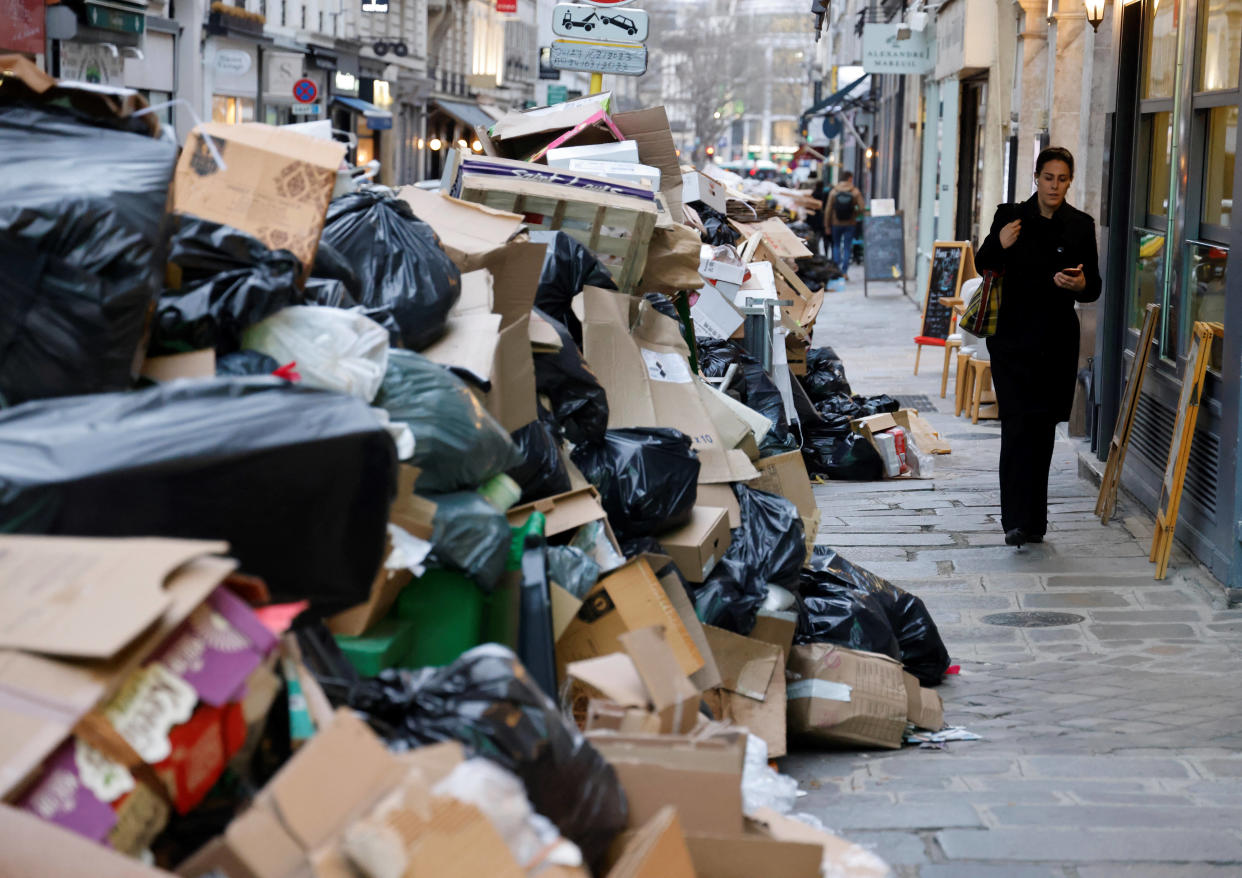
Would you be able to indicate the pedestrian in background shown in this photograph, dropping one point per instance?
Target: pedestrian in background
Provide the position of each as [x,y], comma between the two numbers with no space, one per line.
[1046,251]
[819,191]
[841,211]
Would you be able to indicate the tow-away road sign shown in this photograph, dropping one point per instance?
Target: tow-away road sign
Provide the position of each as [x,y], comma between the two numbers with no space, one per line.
[591,22]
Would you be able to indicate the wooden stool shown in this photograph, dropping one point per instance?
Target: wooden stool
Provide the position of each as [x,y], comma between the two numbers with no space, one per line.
[950,346]
[981,378]
[964,384]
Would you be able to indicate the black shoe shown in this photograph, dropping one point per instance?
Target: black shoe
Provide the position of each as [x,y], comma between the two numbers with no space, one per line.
[1016,537]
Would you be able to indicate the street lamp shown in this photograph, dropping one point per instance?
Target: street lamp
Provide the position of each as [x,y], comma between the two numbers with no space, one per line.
[1095,13]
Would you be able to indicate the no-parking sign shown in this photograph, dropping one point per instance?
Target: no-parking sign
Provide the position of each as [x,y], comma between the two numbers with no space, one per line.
[305,91]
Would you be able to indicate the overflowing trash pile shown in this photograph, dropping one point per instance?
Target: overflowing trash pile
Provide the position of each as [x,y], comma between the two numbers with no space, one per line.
[382,533]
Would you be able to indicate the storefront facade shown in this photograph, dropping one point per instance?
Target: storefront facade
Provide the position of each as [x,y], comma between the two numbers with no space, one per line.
[1173,240]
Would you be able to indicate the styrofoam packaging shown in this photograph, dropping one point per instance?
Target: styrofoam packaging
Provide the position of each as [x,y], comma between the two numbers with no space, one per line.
[625,172]
[887,445]
[618,151]
[922,464]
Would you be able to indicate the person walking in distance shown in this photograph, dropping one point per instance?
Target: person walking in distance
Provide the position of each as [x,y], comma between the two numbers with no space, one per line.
[1046,252]
[841,212]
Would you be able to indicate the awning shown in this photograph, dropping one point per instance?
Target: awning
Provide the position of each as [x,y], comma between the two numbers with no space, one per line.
[377,118]
[469,115]
[841,99]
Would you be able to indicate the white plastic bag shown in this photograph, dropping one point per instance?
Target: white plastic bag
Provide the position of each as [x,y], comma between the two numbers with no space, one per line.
[762,786]
[334,349]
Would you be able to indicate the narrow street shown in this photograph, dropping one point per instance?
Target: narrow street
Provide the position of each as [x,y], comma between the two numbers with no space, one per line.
[1110,746]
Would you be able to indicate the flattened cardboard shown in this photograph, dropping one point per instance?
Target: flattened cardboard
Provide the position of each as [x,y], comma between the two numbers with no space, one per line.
[752,686]
[777,628]
[469,342]
[708,676]
[783,242]
[35,848]
[564,512]
[656,850]
[717,855]
[42,697]
[644,679]
[468,232]
[195,364]
[650,129]
[924,706]
[642,363]
[715,314]
[276,184]
[625,600]
[786,475]
[700,777]
[841,858]
[839,696]
[697,545]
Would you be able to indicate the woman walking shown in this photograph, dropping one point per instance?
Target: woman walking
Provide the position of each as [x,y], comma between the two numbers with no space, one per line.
[1046,251]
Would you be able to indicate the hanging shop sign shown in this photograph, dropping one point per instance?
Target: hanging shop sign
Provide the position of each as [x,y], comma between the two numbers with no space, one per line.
[506,7]
[965,37]
[375,6]
[233,61]
[894,47]
[576,20]
[590,57]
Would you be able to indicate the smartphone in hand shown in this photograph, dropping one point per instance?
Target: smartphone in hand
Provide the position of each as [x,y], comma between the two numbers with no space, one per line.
[1071,272]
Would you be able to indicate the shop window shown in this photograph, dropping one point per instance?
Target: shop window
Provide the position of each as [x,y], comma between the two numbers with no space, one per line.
[1222,45]
[231,111]
[1160,143]
[1148,274]
[1205,293]
[1159,49]
[1220,153]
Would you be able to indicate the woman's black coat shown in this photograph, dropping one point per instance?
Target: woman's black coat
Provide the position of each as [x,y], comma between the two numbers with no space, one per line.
[1035,348]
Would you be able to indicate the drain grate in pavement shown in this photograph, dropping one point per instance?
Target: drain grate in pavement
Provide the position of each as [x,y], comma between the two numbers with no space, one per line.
[922,403]
[1033,619]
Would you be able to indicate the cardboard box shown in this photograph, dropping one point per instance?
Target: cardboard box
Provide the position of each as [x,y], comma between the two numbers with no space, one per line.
[475,238]
[622,172]
[776,627]
[719,855]
[564,512]
[784,243]
[645,681]
[642,362]
[649,128]
[785,474]
[529,134]
[697,545]
[719,269]
[924,707]
[916,427]
[623,151]
[700,777]
[700,187]
[752,687]
[34,848]
[841,858]
[842,697]
[626,600]
[722,495]
[714,313]
[656,850]
[708,676]
[275,185]
[195,364]
[73,634]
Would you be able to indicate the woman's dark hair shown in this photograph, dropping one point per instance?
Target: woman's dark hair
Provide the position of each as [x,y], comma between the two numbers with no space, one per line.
[1054,154]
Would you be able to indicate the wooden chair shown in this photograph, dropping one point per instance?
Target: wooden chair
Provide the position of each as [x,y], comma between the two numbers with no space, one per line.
[964,385]
[956,304]
[981,391]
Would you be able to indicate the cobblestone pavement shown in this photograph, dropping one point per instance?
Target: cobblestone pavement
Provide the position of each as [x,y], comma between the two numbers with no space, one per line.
[1111,747]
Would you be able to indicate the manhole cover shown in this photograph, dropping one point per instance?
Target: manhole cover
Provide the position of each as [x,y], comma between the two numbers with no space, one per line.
[922,403]
[1033,619]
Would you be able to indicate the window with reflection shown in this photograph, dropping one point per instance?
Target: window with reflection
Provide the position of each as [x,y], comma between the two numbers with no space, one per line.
[1205,292]
[1222,45]
[1220,154]
[1148,274]
[1159,49]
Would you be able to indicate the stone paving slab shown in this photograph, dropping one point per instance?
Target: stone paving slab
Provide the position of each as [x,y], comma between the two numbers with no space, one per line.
[1112,747]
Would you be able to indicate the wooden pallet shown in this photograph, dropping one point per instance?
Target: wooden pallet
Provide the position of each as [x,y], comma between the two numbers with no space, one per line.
[1107,501]
[1179,450]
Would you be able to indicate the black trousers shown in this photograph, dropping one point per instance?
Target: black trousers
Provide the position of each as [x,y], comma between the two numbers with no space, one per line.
[1025,459]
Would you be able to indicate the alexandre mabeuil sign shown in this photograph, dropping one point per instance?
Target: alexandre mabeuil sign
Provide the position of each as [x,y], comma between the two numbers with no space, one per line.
[896,48]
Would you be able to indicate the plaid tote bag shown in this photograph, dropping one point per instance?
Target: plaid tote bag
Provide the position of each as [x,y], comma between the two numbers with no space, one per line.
[982,310]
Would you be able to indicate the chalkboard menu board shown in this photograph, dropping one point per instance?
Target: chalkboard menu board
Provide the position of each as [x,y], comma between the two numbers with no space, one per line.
[952,263]
[884,250]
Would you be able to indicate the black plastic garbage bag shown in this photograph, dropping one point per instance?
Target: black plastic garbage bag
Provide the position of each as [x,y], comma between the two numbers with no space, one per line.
[298,481]
[398,261]
[572,569]
[839,405]
[228,281]
[832,612]
[768,548]
[241,363]
[471,536]
[825,374]
[331,264]
[922,651]
[568,266]
[874,405]
[457,443]
[542,471]
[717,224]
[840,455]
[81,250]
[751,386]
[579,403]
[664,305]
[488,702]
[647,478]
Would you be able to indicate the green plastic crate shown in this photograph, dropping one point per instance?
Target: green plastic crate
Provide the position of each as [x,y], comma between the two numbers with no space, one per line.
[386,645]
[445,611]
